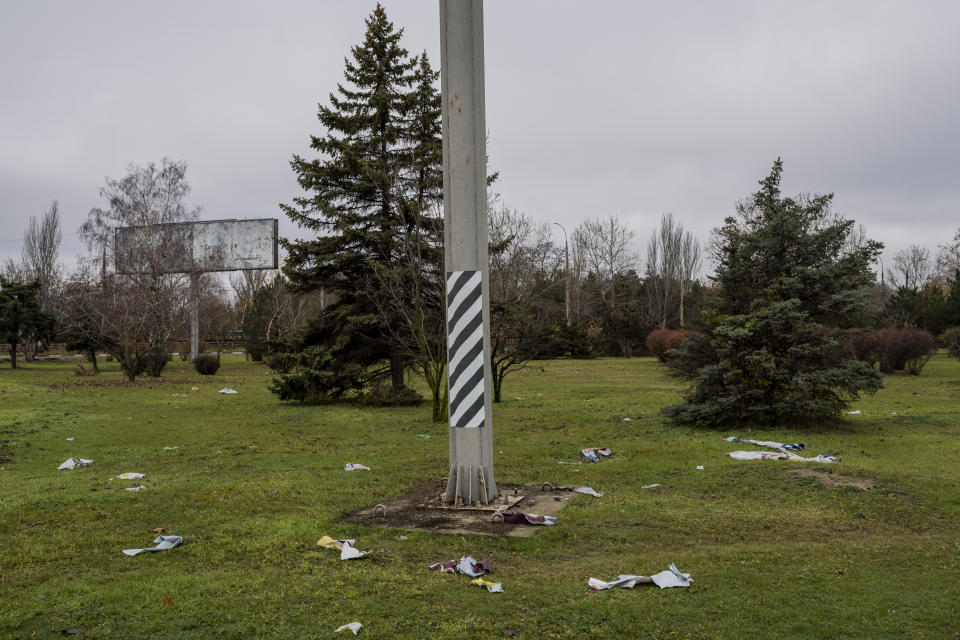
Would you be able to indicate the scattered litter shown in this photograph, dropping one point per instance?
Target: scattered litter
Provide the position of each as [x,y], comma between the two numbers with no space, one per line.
[589,492]
[353,626]
[650,486]
[179,395]
[403,538]
[70,439]
[349,552]
[625,419]
[516,517]
[345,547]
[170,448]
[465,565]
[137,488]
[166,601]
[159,530]
[796,446]
[855,413]
[699,467]
[562,462]
[424,436]
[194,388]
[163,543]
[492,587]
[665,579]
[519,398]
[355,467]
[73,463]
[782,455]
[596,454]
[228,390]
[130,476]
[329,543]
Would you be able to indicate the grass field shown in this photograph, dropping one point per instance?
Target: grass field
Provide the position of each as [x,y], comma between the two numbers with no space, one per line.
[255,483]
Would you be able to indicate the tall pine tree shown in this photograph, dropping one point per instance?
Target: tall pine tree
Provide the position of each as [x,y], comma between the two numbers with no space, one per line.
[770,354]
[367,198]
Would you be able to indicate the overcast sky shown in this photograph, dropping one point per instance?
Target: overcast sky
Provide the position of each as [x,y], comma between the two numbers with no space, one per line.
[631,108]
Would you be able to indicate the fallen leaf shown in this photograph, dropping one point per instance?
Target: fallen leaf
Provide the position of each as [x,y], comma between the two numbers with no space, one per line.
[159,530]
[167,602]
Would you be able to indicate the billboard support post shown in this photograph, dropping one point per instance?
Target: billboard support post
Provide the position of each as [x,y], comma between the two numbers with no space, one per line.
[194,316]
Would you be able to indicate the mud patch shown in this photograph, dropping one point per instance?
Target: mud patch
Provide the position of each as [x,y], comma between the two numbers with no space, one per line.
[408,513]
[835,480]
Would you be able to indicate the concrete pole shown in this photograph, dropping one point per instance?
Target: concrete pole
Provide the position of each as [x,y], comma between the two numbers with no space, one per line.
[194,316]
[465,241]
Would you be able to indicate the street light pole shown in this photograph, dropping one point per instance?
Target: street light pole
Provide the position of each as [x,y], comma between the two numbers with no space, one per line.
[566,272]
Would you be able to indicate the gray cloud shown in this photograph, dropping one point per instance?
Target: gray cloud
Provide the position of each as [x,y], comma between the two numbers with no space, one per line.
[592,108]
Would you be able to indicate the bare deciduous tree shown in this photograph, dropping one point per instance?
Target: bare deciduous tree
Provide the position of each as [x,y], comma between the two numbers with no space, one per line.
[607,251]
[136,305]
[673,263]
[912,268]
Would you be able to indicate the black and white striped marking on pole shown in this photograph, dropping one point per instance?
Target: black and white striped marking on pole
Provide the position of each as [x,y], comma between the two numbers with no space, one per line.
[465,348]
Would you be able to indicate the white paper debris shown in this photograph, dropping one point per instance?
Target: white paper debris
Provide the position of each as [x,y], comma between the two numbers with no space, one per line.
[665,579]
[779,455]
[70,439]
[492,587]
[130,476]
[353,626]
[855,413]
[699,467]
[73,463]
[137,488]
[163,543]
[170,448]
[228,390]
[465,566]
[349,552]
[355,467]
[589,491]
[650,486]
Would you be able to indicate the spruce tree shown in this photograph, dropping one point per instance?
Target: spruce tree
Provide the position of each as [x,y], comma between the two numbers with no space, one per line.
[365,198]
[788,281]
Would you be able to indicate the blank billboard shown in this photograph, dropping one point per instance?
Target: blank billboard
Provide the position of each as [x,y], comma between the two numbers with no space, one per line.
[208,245]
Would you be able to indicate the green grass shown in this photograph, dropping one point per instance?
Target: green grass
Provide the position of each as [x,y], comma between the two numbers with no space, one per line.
[255,483]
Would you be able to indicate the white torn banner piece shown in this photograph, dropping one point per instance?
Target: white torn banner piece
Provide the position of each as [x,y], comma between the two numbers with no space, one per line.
[355,467]
[163,543]
[73,463]
[349,552]
[353,626]
[795,446]
[130,476]
[699,467]
[228,390]
[492,587]
[665,579]
[170,448]
[137,488]
[780,455]
[855,413]
[650,486]
[589,491]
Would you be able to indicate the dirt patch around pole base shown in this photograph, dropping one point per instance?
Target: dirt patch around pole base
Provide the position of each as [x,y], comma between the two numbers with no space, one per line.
[411,512]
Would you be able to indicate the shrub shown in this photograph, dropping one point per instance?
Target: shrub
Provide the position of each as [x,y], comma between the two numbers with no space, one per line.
[951,340]
[154,362]
[904,349]
[385,395]
[83,371]
[572,341]
[255,349]
[863,346]
[207,364]
[317,377]
[659,341]
[281,362]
